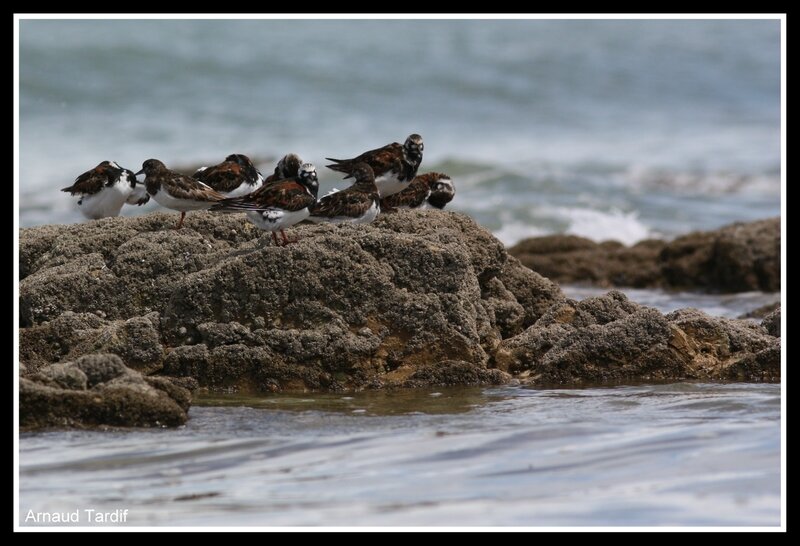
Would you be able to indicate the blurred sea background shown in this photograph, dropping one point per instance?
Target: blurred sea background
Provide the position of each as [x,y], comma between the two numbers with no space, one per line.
[606,129]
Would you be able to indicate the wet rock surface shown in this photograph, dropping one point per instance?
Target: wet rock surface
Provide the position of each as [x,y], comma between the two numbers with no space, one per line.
[415,299]
[611,339]
[735,258]
[99,390]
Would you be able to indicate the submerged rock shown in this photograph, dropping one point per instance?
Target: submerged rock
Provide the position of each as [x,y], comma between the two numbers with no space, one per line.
[735,258]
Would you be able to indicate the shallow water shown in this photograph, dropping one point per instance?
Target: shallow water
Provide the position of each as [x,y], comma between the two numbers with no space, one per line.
[674,454]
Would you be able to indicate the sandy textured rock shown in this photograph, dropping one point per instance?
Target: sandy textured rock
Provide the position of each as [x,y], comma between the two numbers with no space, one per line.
[417,298]
[609,338]
[532,291]
[70,335]
[345,307]
[98,390]
[735,258]
[772,323]
[454,372]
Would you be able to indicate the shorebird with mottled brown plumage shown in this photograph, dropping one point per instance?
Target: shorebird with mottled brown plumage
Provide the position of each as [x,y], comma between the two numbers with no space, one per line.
[394,165]
[175,190]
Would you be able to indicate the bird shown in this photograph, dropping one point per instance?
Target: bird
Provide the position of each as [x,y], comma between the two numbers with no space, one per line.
[104,189]
[394,165]
[233,177]
[358,204]
[177,191]
[277,205]
[426,191]
[287,167]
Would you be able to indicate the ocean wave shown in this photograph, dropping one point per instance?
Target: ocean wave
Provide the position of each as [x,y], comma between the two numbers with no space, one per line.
[596,225]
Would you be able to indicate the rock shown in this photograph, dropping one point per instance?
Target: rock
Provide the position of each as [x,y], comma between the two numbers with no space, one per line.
[571,259]
[65,376]
[346,307]
[455,372]
[98,390]
[71,335]
[772,323]
[505,310]
[762,311]
[721,348]
[534,292]
[417,298]
[735,258]
[609,338]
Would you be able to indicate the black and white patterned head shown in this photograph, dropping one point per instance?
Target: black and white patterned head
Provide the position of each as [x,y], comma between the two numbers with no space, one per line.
[288,166]
[442,190]
[121,174]
[127,176]
[112,172]
[443,185]
[414,146]
[307,176]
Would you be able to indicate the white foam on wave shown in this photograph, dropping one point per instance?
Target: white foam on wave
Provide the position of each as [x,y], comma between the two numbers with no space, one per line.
[599,225]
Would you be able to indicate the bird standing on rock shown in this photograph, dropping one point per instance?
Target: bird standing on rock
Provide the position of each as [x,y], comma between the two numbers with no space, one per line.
[279,204]
[358,204]
[233,177]
[394,165]
[177,191]
[104,189]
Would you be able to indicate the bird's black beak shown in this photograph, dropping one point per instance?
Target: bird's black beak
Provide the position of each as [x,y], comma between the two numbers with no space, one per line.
[140,172]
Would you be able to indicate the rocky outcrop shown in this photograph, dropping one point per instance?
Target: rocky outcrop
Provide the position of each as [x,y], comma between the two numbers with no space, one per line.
[735,258]
[344,308]
[415,299]
[97,390]
[610,338]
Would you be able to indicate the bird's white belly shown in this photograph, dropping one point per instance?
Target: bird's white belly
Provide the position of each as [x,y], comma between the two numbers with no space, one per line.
[243,189]
[389,184]
[107,202]
[164,199]
[275,219]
